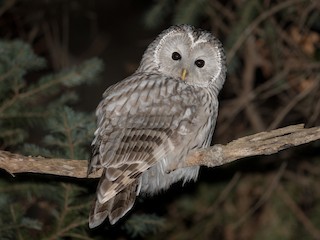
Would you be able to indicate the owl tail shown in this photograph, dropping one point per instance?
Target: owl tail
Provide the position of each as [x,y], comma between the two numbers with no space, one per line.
[115,208]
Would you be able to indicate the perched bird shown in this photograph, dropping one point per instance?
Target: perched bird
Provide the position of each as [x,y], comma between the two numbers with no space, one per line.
[150,121]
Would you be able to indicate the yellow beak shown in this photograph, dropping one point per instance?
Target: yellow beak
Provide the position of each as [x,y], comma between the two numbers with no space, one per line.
[184,74]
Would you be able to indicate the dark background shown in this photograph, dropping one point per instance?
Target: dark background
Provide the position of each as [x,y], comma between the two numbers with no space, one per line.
[273,81]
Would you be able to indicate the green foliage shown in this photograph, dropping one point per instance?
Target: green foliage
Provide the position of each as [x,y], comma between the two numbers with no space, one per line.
[253,206]
[69,135]
[51,210]
[245,15]
[159,11]
[29,208]
[42,207]
[23,101]
[33,98]
[144,224]
[16,58]
[189,12]
[184,12]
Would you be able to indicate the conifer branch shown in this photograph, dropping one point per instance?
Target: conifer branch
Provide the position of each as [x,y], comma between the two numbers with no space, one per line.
[264,143]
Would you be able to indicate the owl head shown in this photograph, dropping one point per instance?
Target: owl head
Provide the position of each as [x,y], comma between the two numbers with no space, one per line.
[188,54]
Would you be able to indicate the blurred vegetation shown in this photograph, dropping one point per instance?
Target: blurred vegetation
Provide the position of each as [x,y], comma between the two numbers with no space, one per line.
[273,54]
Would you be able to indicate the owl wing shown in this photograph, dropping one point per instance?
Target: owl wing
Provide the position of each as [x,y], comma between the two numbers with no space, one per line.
[140,120]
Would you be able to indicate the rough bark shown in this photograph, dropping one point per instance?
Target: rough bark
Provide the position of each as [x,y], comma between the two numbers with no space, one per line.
[263,143]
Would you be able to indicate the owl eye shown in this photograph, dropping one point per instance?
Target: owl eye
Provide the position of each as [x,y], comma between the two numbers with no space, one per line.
[176,56]
[200,63]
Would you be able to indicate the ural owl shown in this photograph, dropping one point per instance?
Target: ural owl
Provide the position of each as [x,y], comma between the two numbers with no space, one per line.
[150,121]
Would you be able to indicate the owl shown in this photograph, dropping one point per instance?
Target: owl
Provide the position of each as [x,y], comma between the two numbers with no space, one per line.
[149,122]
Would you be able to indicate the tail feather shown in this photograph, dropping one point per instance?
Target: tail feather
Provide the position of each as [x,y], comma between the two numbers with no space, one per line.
[115,208]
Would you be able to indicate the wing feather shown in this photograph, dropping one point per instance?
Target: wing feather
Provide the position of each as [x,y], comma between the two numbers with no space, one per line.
[134,129]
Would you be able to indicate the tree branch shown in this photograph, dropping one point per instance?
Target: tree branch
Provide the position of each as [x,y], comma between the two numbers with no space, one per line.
[264,143]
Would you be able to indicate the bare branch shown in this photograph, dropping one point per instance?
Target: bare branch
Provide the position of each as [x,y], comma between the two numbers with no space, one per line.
[16,163]
[264,143]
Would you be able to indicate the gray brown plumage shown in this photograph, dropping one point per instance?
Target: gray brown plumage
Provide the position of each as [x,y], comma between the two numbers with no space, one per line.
[148,123]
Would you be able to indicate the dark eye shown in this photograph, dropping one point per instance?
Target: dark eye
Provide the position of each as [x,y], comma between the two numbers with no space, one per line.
[200,63]
[176,56]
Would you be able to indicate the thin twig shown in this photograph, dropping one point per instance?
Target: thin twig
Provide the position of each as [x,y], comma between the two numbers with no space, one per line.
[256,22]
[252,62]
[291,105]
[264,198]
[308,225]
[221,198]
